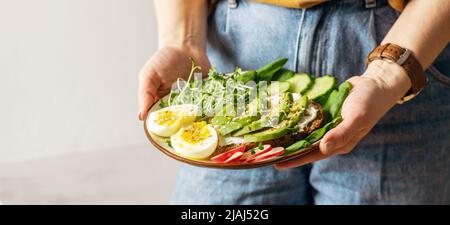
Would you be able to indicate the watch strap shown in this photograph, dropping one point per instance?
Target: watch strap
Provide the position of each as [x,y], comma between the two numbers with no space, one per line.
[405,58]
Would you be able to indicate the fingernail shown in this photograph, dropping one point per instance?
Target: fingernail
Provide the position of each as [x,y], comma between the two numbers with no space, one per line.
[329,147]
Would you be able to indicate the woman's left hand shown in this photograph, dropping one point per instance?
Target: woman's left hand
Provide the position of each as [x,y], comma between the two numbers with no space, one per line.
[372,95]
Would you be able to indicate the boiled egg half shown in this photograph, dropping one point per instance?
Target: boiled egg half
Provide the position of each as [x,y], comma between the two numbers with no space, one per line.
[198,140]
[167,121]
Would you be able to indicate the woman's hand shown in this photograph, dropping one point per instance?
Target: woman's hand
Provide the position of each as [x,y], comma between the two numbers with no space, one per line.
[162,70]
[372,95]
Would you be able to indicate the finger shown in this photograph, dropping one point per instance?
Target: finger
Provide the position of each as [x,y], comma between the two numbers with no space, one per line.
[338,137]
[342,133]
[348,147]
[353,80]
[351,144]
[149,83]
[308,158]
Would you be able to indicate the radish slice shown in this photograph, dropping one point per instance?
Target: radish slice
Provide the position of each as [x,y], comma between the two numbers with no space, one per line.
[234,158]
[270,154]
[248,156]
[226,155]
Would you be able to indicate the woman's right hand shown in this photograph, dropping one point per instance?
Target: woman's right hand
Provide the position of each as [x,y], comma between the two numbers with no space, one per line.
[162,70]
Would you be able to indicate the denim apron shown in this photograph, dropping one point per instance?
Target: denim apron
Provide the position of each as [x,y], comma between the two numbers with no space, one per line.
[405,159]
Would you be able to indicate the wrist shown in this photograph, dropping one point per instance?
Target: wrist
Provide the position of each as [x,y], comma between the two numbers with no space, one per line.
[182,24]
[186,52]
[189,42]
[390,76]
[190,46]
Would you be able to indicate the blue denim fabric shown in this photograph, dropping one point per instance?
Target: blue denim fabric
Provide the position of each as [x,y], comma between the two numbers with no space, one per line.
[404,160]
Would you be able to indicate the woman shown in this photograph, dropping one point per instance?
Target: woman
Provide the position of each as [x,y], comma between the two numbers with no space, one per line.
[382,153]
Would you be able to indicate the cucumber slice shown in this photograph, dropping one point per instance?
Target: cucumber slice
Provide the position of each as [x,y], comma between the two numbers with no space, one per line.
[278,87]
[321,88]
[300,83]
[283,75]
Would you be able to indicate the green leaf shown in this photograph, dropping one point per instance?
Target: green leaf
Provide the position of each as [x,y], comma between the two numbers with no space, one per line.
[319,133]
[297,146]
[333,104]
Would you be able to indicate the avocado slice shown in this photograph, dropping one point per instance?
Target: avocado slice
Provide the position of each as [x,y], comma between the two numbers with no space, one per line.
[285,127]
[277,87]
[229,124]
[236,124]
[220,120]
[265,121]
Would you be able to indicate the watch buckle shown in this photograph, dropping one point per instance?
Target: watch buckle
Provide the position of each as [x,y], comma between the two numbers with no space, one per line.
[403,57]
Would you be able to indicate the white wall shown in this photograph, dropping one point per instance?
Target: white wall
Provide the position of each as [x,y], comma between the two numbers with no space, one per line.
[68,75]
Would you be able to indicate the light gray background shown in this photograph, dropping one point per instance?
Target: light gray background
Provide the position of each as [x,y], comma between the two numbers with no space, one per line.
[68,111]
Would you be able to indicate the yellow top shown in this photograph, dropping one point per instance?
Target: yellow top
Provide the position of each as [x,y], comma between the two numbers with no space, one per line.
[398,5]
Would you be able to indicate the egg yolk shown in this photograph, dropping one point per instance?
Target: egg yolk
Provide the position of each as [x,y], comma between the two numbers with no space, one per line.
[166,117]
[196,133]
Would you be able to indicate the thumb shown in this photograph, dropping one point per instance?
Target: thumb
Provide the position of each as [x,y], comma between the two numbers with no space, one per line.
[339,136]
[149,83]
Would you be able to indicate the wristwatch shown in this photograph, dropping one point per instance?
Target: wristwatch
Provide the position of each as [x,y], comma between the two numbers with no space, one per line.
[405,58]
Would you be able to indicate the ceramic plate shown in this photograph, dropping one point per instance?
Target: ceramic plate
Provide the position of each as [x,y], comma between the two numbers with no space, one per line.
[162,145]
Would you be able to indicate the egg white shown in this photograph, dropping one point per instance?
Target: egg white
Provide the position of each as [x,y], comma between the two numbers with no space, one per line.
[200,150]
[186,114]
